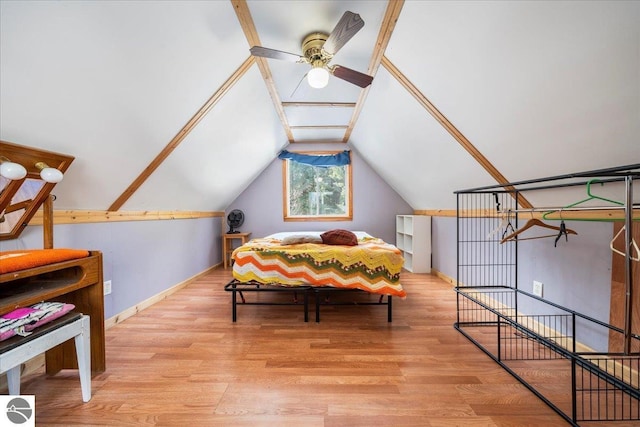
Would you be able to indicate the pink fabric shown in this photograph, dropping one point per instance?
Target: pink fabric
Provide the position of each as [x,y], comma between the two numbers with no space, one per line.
[65,309]
[23,312]
[19,313]
[6,335]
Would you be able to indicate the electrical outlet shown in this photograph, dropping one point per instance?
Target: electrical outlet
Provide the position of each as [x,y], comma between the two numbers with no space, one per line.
[107,287]
[537,288]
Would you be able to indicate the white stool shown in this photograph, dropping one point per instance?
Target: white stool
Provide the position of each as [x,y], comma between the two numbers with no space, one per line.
[17,350]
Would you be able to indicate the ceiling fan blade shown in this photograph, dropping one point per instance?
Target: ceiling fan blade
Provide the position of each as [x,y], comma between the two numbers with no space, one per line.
[347,27]
[352,76]
[265,52]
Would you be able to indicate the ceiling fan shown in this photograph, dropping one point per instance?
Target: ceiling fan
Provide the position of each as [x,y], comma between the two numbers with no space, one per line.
[319,48]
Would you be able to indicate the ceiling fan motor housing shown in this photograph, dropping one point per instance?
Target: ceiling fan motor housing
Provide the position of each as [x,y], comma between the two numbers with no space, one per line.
[312,48]
[318,49]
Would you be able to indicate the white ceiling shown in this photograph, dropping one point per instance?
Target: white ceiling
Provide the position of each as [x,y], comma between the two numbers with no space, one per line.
[539,88]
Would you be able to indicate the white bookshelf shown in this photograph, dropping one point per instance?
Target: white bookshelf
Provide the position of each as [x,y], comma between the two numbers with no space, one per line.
[413,238]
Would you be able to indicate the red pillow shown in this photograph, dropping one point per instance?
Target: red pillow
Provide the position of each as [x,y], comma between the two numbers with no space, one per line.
[339,237]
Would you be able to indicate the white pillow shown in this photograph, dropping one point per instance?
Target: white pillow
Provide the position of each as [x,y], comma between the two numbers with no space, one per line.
[300,238]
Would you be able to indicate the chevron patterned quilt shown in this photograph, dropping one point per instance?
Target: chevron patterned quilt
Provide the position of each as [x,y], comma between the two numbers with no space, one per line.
[373,265]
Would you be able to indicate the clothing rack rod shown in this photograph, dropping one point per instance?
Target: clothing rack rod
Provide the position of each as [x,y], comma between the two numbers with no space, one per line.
[627,265]
[572,209]
[620,171]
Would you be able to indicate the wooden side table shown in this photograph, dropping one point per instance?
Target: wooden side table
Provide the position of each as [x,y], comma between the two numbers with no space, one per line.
[227,244]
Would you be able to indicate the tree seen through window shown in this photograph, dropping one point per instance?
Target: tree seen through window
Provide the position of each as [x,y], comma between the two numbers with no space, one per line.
[317,192]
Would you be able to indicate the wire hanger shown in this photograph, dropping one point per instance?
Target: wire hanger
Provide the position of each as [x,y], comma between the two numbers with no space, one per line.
[534,222]
[504,226]
[505,219]
[633,244]
[591,197]
[563,231]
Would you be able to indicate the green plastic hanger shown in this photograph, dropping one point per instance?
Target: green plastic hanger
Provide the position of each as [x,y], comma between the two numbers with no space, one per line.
[591,197]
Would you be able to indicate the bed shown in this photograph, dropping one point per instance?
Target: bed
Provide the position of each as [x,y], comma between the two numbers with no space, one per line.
[307,263]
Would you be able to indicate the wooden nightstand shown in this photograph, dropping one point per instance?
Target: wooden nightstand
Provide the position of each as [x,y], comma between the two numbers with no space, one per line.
[227,245]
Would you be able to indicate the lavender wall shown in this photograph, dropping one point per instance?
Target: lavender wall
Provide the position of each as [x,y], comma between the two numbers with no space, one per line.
[443,245]
[141,258]
[375,203]
[576,274]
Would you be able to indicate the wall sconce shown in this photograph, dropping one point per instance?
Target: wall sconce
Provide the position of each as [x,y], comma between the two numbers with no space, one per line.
[49,174]
[10,170]
[318,76]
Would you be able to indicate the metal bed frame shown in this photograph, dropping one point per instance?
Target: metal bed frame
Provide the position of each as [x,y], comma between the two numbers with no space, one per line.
[322,297]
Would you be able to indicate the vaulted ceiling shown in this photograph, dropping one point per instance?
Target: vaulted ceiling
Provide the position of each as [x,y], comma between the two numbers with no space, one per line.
[164,108]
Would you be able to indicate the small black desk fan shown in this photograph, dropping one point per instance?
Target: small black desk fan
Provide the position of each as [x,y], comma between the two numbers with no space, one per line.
[235,220]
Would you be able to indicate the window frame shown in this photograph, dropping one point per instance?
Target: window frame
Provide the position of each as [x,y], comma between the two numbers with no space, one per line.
[348,216]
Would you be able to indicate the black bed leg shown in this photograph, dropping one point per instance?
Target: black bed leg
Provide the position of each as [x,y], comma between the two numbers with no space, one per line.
[389,309]
[306,305]
[233,305]
[317,307]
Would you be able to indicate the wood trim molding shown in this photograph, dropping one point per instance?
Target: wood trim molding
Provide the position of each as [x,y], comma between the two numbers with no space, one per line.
[250,32]
[600,215]
[436,212]
[319,104]
[386,29]
[450,280]
[85,217]
[186,129]
[319,141]
[457,135]
[319,127]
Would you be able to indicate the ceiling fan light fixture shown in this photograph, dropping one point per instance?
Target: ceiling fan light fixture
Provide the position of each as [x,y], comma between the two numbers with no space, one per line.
[318,77]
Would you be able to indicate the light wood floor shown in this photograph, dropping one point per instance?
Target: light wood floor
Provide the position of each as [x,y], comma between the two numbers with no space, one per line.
[182,362]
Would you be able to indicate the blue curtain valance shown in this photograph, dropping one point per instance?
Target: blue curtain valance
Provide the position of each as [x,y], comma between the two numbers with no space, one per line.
[319,160]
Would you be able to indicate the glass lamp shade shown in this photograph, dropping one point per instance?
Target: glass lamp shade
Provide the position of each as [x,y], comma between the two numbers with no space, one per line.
[318,77]
[51,175]
[13,171]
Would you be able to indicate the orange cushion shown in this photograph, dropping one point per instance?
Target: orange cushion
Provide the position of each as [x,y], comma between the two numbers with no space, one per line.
[11,261]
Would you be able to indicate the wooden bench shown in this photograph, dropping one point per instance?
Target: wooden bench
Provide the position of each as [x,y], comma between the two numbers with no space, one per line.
[18,349]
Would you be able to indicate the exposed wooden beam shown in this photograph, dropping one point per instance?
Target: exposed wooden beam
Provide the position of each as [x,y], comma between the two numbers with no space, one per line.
[386,29]
[320,127]
[457,135]
[89,217]
[319,141]
[319,104]
[186,129]
[246,22]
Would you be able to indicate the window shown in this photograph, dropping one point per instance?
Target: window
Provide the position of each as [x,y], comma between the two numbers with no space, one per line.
[320,191]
